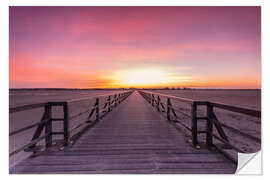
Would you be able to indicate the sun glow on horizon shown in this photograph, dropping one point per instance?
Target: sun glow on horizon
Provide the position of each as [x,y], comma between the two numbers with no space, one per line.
[149,77]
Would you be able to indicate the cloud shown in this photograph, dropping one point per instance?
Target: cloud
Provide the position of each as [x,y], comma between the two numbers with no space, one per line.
[55,44]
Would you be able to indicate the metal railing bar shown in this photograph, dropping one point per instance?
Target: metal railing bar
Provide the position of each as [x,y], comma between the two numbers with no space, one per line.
[218,126]
[28,127]
[112,104]
[81,113]
[162,106]
[57,103]
[88,118]
[185,126]
[105,105]
[85,121]
[177,110]
[185,100]
[92,97]
[246,111]
[26,107]
[241,133]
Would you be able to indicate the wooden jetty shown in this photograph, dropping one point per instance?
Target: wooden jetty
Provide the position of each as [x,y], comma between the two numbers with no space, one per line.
[131,139]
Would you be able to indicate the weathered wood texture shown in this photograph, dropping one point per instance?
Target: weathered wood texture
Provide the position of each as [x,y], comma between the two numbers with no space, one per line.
[131,139]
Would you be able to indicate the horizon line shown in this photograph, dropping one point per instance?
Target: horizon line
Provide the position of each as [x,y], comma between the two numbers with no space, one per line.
[184,88]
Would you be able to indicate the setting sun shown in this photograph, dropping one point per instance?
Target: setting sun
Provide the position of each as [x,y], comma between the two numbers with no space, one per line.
[149,77]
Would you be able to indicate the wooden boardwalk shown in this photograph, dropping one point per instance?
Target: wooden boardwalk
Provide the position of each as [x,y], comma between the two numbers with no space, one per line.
[133,139]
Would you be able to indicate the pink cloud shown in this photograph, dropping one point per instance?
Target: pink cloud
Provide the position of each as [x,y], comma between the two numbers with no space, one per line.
[78,42]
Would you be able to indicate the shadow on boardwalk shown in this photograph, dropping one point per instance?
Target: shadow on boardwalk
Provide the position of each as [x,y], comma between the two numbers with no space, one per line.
[131,139]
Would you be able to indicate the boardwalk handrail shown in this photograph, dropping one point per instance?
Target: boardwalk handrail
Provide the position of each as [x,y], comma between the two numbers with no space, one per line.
[250,112]
[184,100]
[26,107]
[93,97]
[46,121]
[211,120]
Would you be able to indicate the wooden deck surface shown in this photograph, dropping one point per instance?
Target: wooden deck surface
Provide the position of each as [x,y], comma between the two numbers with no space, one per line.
[133,139]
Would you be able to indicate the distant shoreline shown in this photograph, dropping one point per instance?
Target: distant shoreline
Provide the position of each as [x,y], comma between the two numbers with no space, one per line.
[117,89]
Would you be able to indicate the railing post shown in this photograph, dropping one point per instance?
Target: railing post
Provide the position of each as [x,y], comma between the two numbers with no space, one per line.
[109,103]
[97,109]
[119,98]
[66,124]
[153,100]
[158,102]
[209,135]
[169,109]
[48,125]
[115,97]
[194,123]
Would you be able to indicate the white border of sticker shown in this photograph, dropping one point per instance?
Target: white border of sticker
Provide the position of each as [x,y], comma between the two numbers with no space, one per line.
[250,167]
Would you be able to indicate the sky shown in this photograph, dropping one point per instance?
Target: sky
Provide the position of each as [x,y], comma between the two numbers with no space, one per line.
[150,47]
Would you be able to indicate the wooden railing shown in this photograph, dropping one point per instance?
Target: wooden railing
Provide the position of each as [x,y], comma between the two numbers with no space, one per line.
[97,111]
[210,119]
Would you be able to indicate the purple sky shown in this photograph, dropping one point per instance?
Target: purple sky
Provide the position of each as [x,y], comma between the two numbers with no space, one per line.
[85,47]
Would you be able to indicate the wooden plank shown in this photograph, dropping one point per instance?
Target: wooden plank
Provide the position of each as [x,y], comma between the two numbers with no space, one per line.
[132,164]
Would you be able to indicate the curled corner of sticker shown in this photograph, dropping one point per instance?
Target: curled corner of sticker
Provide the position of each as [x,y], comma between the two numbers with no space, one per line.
[249,163]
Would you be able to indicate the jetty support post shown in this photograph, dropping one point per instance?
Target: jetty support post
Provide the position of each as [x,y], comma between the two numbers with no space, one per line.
[158,103]
[48,125]
[119,98]
[115,100]
[209,135]
[66,124]
[169,109]
[194,127]
[153,100]
[109,103]
[97,109]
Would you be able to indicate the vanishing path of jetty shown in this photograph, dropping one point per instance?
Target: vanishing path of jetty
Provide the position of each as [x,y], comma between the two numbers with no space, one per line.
[131,138]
